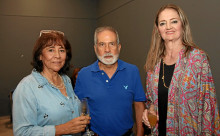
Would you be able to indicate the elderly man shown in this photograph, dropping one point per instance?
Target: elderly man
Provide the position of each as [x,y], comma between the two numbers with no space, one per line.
[111,86]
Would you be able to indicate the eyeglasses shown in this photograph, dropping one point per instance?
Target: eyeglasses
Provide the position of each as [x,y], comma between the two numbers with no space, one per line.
[50,31]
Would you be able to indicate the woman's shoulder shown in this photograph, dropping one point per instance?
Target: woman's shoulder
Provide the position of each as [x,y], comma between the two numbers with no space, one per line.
[197,54]
[27,80]
[196,51]
[198,58]
[25,85]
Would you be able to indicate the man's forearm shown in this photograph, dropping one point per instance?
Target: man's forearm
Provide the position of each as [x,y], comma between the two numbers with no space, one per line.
[139,109]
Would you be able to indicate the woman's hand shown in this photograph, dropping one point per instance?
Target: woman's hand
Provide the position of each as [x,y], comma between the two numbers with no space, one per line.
[145,118]
[74,126]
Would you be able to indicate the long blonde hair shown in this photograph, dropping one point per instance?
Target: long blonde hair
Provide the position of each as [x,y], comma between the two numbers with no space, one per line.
[157,46]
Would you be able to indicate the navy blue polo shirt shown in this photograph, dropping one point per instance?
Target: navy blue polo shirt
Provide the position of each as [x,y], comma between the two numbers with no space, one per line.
[110,100]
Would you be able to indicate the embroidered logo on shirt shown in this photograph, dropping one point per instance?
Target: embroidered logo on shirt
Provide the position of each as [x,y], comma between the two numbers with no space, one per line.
[126,87]
[40,86]
[62,103]
[45,115]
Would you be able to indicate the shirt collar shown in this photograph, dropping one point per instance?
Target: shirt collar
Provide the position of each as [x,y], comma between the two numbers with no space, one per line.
[42,80]
[95,66]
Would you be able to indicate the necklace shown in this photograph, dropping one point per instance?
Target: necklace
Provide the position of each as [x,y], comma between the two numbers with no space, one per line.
[61,86]
[163,78]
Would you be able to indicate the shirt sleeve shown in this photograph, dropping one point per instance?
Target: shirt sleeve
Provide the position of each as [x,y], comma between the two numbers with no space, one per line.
[25,113]
[139,90]
[79,87]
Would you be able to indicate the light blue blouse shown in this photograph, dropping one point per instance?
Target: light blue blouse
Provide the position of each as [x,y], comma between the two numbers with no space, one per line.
[38,106]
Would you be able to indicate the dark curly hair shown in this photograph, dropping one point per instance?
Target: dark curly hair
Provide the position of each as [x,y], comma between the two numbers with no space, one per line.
[48,39]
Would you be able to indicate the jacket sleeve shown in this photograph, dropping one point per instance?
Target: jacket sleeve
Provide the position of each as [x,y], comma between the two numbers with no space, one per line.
[207,100]
[25,113]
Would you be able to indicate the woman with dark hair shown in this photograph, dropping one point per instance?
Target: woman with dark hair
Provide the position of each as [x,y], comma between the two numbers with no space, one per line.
[44,102]
[179,80]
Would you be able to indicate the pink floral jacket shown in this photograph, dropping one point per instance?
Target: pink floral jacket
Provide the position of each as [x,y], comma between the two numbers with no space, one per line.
[192,104]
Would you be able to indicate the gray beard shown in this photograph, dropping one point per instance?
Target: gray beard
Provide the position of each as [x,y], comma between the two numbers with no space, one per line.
[103,60]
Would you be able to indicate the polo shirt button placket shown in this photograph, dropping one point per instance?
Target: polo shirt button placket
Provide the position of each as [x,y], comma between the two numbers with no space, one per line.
[108,84]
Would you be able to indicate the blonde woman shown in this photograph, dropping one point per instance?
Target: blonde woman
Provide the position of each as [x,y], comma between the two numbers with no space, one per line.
[179,80]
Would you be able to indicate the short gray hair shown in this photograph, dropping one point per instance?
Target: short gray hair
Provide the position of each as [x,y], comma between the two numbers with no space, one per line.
[103,28]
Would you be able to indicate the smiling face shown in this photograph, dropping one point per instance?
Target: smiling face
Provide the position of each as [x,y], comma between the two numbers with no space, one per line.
[169,25]
[53,58]
[107,50]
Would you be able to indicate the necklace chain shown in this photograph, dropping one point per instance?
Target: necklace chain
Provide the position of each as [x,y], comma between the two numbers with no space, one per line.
[61,86]
[164,84]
